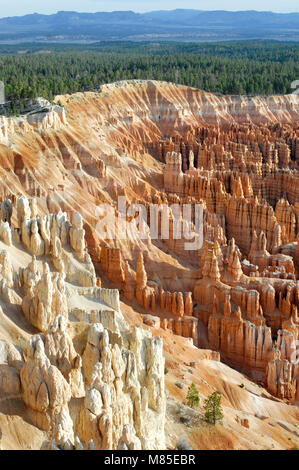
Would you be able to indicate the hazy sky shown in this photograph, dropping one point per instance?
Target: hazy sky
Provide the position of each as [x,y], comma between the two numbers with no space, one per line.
[21,7]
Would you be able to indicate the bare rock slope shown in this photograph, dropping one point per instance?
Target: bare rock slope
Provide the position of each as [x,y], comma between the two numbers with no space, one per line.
[84,365]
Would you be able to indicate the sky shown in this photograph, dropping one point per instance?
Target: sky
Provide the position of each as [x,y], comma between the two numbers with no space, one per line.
[19,7]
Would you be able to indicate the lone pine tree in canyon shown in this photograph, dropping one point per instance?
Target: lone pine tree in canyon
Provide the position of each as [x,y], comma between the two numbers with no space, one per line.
[102,330]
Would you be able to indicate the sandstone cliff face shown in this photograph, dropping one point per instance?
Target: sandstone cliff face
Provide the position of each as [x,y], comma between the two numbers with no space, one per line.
[236,293]
[242,325]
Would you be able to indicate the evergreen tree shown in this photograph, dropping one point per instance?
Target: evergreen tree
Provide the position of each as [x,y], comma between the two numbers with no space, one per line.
[192,396]
[14,110]
[213,411]
[237,67]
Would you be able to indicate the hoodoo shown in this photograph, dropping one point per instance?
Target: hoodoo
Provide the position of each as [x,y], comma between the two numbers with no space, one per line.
[103,330]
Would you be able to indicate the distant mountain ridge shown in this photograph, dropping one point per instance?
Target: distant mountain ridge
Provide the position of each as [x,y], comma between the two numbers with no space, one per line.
[180,24]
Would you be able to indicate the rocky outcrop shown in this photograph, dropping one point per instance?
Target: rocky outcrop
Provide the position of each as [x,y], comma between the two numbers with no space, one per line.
[242,343]
[11,361]
[60,350]
[117,373]
[281,378]
[125,394]
[77,240]
[175,308]
[112,264]
[47,300]
[45,391]
[55,117]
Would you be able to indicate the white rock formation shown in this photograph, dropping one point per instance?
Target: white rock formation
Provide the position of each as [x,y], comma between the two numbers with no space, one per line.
[77,235]
[11,361]
[60,350]
[6,269]
[23,210]
[119,372]
[5,233]
[45,391]
[125,394]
